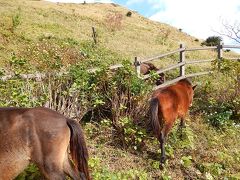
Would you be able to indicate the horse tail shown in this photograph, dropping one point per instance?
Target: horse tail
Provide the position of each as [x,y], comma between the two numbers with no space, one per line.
[154,105]
[78,148]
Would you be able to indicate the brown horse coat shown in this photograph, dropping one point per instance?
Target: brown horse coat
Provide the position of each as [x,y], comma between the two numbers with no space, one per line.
[167,105]
[41,136]
[146,68]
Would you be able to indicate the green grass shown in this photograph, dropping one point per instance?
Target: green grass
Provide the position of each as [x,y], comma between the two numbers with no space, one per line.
[203,151]
[42,36]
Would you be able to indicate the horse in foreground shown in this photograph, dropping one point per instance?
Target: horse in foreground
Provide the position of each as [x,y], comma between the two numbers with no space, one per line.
[146,68]
[166,106]
[41,136]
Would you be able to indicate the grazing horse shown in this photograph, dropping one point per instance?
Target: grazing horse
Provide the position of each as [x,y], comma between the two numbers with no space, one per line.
[146,68]
[166,106]
[41,136]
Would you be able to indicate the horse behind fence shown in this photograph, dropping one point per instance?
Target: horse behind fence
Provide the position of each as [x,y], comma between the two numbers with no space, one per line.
[146,68]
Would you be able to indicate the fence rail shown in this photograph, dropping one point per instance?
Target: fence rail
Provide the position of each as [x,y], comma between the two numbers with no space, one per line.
[182,62]
[181,65]
[162,55]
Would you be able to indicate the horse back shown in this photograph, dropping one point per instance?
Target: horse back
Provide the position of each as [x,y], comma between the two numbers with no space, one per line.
[173,100]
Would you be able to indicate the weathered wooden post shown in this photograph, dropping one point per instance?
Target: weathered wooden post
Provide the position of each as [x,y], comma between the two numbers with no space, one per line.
[182,60]
[137,66]
[94,35]
[220,54]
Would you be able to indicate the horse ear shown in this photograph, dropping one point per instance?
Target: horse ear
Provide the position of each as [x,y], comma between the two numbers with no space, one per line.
[194,86]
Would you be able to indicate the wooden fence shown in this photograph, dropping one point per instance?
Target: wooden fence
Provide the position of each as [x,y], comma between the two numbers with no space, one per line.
[181,65]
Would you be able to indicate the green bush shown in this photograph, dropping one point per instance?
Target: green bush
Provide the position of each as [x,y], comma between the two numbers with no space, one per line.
[219,95]
[212,41]
[20,93]
[120,96]
[117,95]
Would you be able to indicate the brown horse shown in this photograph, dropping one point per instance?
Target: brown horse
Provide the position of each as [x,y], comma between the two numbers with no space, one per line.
[146,68]
[41,136]
[166,106]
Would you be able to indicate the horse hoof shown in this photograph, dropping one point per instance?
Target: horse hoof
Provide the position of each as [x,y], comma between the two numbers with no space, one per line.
[162,160]
[161,166]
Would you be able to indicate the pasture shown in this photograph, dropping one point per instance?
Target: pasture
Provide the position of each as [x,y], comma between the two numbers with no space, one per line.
[112,106]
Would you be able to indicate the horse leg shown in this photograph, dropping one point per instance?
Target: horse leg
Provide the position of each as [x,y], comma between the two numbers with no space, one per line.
[162,142]
[52,167]
[69,168]
[53,154]
[167,127]
[52,173]
[182,123]
[181,126]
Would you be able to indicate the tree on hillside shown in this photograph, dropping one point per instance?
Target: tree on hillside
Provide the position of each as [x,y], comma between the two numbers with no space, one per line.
[212,41]
[231,31]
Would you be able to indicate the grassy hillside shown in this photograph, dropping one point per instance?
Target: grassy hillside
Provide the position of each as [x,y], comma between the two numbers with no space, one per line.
[32,27]
[43,36]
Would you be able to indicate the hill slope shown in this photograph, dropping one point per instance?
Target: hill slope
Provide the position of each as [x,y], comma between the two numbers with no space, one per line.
[26,24]
[40,36]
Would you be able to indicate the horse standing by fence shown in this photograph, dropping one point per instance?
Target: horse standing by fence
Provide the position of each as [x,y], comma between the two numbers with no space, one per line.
[146,68]
[41,136]
[166,106]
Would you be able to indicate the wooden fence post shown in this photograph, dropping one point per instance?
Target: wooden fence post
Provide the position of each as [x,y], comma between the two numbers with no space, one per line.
[182,59]
[94,35]
[137,66]
[220,54]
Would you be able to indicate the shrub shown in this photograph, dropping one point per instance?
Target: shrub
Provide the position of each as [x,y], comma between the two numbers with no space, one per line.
[219,96]
[212,41]
[129,14]
[120,96]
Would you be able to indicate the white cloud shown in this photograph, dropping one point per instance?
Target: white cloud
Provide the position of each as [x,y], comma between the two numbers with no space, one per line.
[198,18]
[155,3]
[81,1]
[132,2]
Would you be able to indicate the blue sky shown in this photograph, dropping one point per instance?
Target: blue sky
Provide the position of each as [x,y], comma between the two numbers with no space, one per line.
[145,8]
[199,18]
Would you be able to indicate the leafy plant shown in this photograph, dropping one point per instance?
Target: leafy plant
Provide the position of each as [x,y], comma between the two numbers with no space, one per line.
[1,72]
[18,64]
[186,161]
[22,94]
[219,95]
[30,173]
[16,21]
[133,135]
[212,41]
